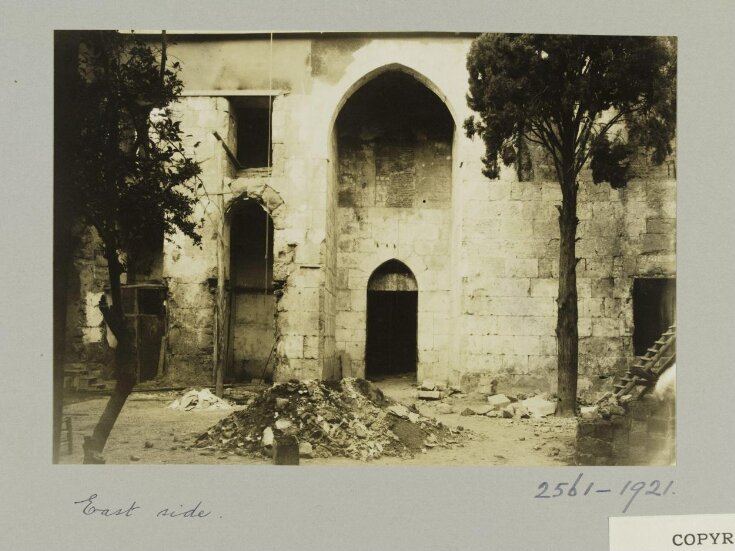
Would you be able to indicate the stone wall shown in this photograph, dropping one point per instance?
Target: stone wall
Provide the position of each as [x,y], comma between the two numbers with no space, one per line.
[484,253]
[87,349]
[253,333]
[643,434]
[394,187]
[509,262]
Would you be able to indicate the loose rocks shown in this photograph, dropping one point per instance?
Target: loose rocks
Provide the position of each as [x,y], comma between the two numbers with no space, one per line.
[349,418]
[498,401]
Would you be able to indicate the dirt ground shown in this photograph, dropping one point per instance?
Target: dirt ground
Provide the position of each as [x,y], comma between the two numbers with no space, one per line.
[148,432]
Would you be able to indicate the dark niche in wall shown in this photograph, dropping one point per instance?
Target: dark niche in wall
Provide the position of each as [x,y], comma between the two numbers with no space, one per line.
[394,140]
[654,310]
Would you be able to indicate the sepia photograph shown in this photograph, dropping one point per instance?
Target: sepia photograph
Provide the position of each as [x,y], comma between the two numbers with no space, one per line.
[364,248]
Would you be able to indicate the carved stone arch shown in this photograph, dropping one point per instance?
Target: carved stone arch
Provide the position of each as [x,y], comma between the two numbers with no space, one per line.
[370,75]
[392,275]
[253,216]
[391,320]
[269,199]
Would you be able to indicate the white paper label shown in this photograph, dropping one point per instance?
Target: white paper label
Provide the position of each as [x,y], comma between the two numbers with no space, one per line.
[673,533]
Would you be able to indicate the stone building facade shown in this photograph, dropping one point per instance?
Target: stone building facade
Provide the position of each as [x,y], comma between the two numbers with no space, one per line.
[346,210]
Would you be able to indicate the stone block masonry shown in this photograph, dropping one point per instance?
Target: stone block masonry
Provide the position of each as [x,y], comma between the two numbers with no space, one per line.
[350,188]
[644,434]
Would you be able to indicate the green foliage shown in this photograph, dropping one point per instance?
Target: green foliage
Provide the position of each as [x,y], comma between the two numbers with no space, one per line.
[610,162]
[566,93]
[133,181]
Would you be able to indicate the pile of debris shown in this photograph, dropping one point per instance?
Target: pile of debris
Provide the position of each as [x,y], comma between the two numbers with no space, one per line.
[452,400]
[610,404]
[199,400]
[350,418]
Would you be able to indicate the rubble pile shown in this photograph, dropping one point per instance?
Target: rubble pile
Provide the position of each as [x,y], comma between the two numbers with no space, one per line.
[536,406]
[349,418]
[609,404]
[199,400]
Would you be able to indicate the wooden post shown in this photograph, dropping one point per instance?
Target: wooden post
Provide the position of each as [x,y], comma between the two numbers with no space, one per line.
[286,450]
[69,435]
[161,357]
[220,320]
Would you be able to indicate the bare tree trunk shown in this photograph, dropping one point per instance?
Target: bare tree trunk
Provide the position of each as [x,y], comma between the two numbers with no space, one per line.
[567,315]
[124,365]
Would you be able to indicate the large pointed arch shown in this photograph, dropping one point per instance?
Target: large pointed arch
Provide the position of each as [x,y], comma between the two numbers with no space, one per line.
[370,75]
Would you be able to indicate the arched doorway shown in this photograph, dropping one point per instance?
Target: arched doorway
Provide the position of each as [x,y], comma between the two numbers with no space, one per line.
[252,307]
[392,321]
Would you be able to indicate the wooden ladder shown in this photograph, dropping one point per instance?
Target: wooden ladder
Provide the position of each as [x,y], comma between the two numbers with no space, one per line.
[655,361]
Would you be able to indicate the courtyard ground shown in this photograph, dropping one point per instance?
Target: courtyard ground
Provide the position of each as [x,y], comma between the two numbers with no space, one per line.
[149,432]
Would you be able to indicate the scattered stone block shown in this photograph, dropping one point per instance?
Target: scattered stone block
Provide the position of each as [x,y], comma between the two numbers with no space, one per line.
[589,412]
[306,450]
[444,408]
[428,385]
[283,424]
[413,417]
[625,398]
[498,401]
[430,395]
[493,413]
[361,430]
[286,451]
[267,439]
[399,410]
[467,411]
[481,410]
[539,407]
[507,413]
[281,403]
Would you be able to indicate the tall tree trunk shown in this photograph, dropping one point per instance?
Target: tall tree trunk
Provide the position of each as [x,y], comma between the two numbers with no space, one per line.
[567,315]
[124,364]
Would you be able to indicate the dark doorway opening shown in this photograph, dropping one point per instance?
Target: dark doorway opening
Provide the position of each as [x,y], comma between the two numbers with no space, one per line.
[654,310]
[252,302]
[392,321]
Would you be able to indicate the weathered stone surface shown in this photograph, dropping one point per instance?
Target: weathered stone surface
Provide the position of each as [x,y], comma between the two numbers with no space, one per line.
[538,407]
[486,260]
[399,410]
[282,424]
[306,449]
[286,451]
[481,410]
[467,411]
[498,401]
[444,408]
[428,385]
[429,395]
[267,439]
